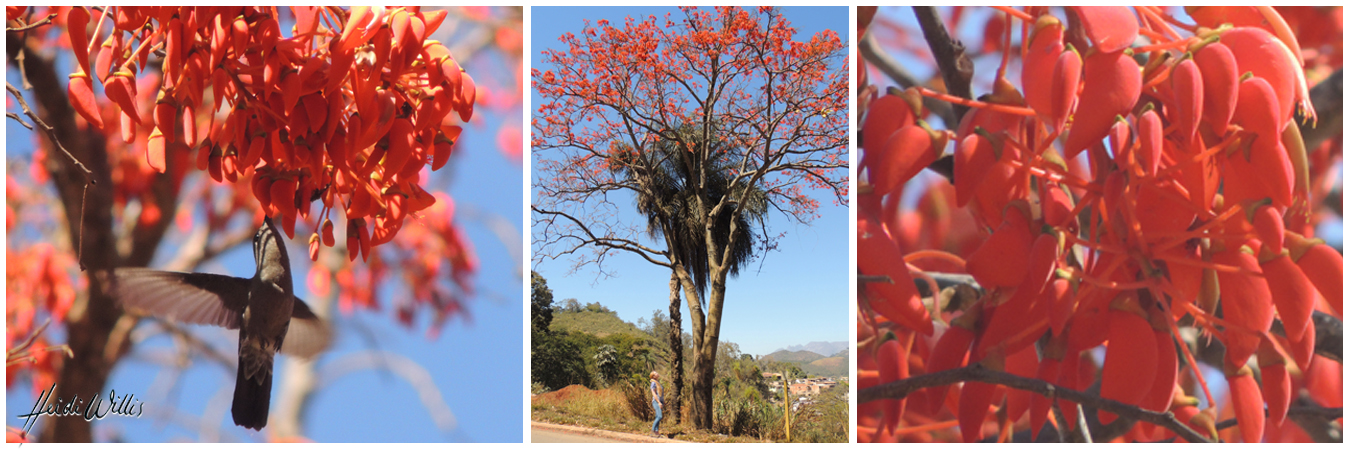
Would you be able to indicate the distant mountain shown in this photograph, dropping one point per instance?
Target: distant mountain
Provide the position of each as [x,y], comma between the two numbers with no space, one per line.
[820,348]
[814,364]
[801,356]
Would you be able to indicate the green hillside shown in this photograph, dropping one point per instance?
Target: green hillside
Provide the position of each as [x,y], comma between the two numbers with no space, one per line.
[833,366]
[600,324]
[801,356]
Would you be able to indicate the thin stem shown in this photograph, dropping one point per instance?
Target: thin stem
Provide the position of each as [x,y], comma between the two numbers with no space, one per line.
[1150,14]
[1172,20]
[1007,48]
[1021,111]
[1203,264]
[1055,176]
[98,30]
[1015,13]
[1153,35]
[1166,45]
[927,427]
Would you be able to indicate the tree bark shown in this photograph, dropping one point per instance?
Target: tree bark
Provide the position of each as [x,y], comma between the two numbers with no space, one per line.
[676,348]
[706,360]
[700,409]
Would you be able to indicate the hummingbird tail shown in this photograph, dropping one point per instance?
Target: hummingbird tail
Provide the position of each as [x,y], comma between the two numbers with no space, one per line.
[252,398]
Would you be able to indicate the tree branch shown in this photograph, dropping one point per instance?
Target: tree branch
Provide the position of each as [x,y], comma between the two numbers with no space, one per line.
[33,25]
[402,366]
[902,388]
[957,70]
[51,132]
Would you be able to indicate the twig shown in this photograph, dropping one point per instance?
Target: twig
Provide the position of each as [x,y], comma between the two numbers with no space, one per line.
[189,340]
[401,366]
[29,340]
[16,118]
[902,388]
[952,61]
[51,132]
[20,352]
[33,25]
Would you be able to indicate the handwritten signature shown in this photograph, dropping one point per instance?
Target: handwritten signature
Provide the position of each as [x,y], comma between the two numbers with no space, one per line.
[95,408]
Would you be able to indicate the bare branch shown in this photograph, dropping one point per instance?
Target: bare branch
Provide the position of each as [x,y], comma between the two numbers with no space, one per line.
[902,388]
[33,25]
[51,132]
[16,118]
[400,365]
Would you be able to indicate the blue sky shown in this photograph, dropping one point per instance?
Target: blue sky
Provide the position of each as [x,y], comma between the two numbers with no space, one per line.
[475,364]
[795,295]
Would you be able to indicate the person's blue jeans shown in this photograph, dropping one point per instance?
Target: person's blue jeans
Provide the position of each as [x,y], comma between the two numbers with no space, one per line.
[656,424]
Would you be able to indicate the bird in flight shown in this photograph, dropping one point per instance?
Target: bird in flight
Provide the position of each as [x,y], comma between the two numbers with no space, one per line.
[263,308]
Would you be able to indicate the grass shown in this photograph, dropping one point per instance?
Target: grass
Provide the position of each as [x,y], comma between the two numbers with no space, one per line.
[607,409]
[599,324]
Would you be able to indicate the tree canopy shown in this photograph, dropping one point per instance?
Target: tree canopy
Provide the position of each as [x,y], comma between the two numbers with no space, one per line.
[726,95]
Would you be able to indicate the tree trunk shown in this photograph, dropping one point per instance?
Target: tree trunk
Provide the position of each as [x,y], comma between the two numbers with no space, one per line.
[705,361]
[703,390]
[92,316]
[88,213]
[705,356]
[676,348]
[700,410]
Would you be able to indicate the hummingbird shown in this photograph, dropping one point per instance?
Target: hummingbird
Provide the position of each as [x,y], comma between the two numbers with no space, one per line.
[264,309]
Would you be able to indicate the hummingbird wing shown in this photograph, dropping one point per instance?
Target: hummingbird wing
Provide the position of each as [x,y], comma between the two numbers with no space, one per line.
[308,334]
[203,298]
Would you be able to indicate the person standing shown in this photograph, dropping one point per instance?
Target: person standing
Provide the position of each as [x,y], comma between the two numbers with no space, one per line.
[656,391]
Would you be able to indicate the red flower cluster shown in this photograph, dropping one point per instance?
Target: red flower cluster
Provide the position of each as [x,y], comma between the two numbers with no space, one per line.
[1197,198]
[348,110]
